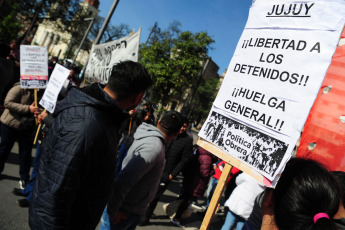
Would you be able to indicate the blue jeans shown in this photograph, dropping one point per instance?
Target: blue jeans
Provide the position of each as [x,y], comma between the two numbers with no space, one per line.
[129,224]
[213,184]
[30,186]
[231,220]
[105,223]
[24,137]
[248,226]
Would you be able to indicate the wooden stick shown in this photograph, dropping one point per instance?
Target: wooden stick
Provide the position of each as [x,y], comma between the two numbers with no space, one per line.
[35,94]
[216,197]
[84,83]
[130,126]
[38,129]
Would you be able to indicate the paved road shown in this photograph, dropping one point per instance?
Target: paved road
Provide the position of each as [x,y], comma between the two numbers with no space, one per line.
[12,217]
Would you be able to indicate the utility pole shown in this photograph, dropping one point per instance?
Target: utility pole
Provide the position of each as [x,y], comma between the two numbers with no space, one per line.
[106,21]
[190,104]
[31,25]
[101,32]
[152,29]
[85,35]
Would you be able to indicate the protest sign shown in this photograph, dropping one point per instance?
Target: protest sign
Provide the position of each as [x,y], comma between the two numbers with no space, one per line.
[104,56]
[272,81]
[56,81]
[33,67]
[270,86]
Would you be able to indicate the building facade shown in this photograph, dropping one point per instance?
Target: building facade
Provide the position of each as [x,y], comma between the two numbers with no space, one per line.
[59,42]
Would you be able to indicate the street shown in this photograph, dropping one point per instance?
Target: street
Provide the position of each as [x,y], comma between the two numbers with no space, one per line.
[13,217]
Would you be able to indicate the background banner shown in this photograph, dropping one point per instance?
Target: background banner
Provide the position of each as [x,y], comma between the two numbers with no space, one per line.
[104,56]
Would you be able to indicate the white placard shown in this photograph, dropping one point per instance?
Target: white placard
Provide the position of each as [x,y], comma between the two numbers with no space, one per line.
[56,81]
[104,56]
[33,67]
[273,79]
[307,14]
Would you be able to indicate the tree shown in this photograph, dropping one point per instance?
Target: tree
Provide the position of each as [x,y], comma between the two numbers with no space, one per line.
[173,58]
[204,97]
[65,14]
[9,25]
[111,33]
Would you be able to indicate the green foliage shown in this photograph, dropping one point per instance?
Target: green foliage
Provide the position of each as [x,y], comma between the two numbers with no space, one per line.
[205,95]
[173,58]
[9,27]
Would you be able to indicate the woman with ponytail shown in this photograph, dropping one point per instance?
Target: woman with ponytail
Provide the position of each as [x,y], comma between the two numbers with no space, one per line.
[306,198]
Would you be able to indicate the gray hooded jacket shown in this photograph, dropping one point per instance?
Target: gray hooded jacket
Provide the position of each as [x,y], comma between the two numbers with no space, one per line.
[137,183]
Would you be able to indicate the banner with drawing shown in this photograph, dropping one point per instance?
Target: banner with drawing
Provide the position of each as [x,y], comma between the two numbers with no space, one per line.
[104,56]
[273,79]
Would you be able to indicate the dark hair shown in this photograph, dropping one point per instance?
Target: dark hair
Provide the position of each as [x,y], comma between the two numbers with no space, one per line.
[148,104]
[139,116]
[171,122]
[128,78]
[4,50]
[305,189]
[185,120]
[340,178]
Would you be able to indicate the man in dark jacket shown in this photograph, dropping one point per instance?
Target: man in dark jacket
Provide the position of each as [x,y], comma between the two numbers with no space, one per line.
[77,167]
[179,153]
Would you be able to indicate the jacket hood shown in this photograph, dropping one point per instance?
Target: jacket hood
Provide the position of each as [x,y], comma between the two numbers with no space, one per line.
[147,130]
[95,96]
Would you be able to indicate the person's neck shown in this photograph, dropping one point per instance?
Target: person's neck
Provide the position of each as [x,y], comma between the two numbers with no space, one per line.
[341,212]
[114,97]
[162,131]
[110,93]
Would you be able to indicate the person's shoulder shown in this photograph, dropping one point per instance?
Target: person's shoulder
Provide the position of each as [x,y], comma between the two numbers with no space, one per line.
[154,143]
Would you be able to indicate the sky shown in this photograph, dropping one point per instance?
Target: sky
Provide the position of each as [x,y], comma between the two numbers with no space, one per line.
[223,20]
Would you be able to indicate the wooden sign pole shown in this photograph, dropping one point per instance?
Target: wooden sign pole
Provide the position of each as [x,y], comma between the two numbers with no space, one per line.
[230,162]
[38,130]
[216,197]
[35,94]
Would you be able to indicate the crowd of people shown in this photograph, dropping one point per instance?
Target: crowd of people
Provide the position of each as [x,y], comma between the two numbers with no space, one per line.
[99,159]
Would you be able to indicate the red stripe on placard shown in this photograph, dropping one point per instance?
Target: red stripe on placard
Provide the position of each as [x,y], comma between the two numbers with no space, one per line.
[35,77]
[323,137]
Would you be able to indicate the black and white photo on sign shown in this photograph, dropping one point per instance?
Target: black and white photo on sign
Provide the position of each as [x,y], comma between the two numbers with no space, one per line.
[256,148]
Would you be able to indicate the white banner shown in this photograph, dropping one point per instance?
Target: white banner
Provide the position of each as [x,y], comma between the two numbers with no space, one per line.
[104,56]
[274,77]
[56,81]
[33,67]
